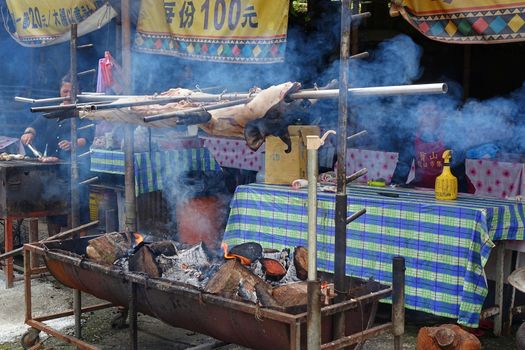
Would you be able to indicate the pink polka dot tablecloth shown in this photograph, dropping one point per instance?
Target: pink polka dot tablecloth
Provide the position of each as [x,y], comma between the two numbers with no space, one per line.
[380,164]
[234,153]
[496,179]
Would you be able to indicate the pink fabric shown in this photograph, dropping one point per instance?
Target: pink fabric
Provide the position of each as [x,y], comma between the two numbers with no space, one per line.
[496,179]
[234,153]
[380,165]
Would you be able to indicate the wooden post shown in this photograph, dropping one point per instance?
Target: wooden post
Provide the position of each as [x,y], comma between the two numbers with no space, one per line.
[341,195]
[129,175]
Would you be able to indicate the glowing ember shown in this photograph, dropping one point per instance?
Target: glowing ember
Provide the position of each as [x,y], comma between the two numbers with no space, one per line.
[242,259]
[138,238]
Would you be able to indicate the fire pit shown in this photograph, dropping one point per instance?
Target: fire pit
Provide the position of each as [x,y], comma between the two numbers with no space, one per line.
[183,305]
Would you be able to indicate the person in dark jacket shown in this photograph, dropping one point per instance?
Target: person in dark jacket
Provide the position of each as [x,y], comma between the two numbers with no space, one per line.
[52,137]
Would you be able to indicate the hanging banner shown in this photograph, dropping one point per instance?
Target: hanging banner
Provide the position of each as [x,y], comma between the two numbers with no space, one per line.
[465,21]
[236,31]
[46,22]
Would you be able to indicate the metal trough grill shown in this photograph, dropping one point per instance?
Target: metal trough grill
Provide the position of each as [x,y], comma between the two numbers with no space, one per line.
[184,306]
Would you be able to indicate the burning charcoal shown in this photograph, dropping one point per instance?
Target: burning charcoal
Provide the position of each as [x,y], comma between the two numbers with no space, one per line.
[300,261]
[166,248]
[185,274]
[108,248]
[194,258]
[273,269]
[209,272]
[250,250]
[284,258]
[122,263]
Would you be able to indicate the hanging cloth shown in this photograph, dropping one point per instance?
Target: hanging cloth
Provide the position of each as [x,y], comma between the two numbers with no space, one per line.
[109,78]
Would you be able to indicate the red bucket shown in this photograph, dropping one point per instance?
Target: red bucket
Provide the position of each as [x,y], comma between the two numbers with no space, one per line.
[201,219]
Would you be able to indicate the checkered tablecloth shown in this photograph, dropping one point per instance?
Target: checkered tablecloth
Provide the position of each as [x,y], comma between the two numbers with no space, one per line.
[151,168]
[446,244]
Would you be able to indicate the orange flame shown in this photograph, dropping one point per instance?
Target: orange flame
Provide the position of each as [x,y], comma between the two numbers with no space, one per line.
[242,259]
[138,238]
[324,285]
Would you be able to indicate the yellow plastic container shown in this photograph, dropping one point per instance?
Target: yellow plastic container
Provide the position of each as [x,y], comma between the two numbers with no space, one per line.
[446,184]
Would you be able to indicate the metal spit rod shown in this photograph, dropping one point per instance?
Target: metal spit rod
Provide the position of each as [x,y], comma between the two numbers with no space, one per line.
[419,89]
[39,100]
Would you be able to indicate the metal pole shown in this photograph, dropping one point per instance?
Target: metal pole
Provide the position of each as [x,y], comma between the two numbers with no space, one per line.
[313,285]
[341,196]
[398,301]
[77,296]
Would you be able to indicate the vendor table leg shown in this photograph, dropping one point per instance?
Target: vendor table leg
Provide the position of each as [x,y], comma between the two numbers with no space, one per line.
[500,282]
[8,243]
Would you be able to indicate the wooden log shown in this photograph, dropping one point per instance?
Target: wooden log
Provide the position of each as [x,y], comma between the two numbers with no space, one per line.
[109,247]
[144,261]
[233,274]
[273,269]
[300,261]
[291,294]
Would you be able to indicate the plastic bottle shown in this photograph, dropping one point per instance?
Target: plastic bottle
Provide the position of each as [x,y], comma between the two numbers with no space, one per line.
[446,184]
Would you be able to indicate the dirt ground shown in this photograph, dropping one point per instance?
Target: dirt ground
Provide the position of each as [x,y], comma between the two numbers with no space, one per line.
[49,296]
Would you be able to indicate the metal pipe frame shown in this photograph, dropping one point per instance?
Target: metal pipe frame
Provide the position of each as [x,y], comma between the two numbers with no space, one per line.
[38,322]
[313,284]
[293,320]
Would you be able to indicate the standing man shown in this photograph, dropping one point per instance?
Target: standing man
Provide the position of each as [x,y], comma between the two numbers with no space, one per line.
[54,136]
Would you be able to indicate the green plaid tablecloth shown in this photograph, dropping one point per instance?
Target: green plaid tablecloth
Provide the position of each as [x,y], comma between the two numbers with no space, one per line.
[151,168]
[446,244]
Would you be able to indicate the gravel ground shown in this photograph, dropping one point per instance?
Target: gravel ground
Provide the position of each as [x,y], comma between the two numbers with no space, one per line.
[49,296]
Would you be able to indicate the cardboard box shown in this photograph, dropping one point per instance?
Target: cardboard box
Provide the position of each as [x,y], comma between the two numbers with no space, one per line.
[282,168]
